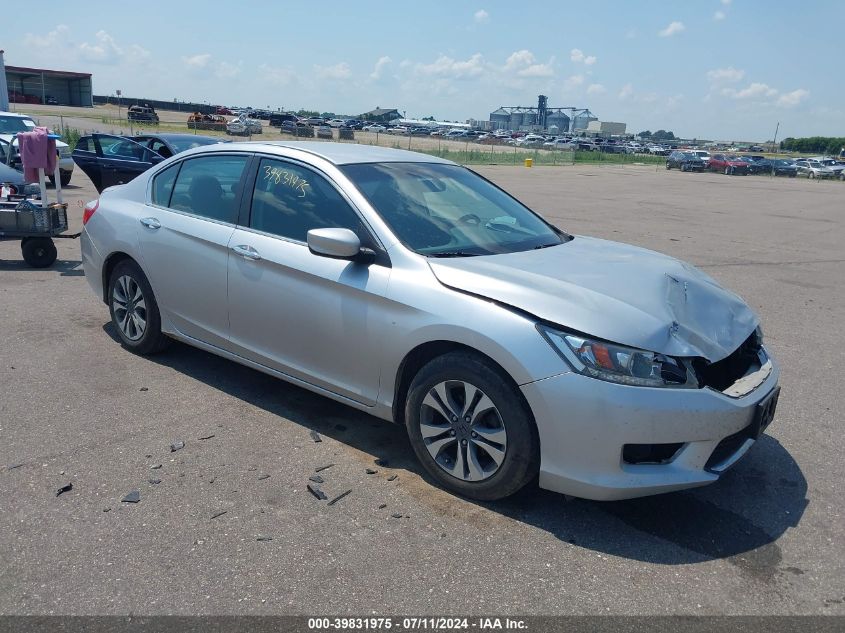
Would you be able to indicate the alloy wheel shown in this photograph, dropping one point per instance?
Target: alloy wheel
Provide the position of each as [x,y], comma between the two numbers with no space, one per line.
[463,430]
[129,307]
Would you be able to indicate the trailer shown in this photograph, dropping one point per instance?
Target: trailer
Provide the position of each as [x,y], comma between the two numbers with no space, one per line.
[34,220]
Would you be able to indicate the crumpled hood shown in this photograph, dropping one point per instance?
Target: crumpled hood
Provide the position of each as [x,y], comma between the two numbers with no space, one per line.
[613,291]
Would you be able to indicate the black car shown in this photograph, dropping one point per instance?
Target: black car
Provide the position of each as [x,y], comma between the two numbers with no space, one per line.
[297,128]
[142,114]
[276,119]
[685,161]
[777,167]
[756,164]
[114,160]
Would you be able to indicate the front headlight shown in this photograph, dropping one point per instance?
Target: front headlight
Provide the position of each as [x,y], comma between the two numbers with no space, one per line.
[617,363]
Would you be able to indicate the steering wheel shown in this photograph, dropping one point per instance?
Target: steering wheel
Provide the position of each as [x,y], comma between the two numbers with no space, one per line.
[470,218]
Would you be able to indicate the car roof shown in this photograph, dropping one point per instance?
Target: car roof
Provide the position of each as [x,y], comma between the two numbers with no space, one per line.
[17,115]
[178,137]
[339,153]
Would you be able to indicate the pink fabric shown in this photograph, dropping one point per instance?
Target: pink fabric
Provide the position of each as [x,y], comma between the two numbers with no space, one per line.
[37,151]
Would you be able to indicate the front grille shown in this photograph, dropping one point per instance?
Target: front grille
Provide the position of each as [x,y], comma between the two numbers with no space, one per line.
[722,374]
[727,447]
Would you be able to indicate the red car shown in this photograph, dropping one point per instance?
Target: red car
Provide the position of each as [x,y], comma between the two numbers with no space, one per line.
[224,111]
[729,164]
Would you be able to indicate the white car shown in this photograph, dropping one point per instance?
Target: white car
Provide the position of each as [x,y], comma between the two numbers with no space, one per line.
[336,123]
[374,127]
[837,167]
[703,155]
[11,123]
[243,125]
[814,169]
[562,143]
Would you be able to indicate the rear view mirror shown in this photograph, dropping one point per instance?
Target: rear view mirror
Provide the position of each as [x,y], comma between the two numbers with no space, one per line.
[341,243]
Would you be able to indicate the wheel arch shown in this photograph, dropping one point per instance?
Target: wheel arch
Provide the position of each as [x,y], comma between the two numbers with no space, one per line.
[108,266]
[424,353]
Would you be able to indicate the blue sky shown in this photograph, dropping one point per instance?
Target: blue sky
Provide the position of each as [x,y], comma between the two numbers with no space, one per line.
[723,69]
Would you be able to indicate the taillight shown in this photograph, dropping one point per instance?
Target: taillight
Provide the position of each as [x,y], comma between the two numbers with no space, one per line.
[90,208]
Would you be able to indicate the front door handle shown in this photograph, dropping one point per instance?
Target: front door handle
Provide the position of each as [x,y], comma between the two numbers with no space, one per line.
[151,223]
[247,252]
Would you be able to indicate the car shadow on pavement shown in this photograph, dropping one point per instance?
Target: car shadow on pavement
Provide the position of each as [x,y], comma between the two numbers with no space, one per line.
[65,267]
[738,518]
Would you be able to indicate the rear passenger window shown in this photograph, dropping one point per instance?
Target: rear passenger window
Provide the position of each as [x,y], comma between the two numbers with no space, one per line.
[290,200]
[163,186]
[209,187]
[85,144]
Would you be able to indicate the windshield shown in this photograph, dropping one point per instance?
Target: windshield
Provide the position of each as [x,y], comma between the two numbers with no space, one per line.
[15,124]
[448,211]
[183,145]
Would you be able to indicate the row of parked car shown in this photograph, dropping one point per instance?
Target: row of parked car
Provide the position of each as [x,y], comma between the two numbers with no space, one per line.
[742,165]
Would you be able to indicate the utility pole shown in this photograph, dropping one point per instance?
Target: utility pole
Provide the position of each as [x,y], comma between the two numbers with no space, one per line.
[775,140]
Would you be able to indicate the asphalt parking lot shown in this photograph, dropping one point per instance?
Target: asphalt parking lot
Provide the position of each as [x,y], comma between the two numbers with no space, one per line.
[232,529]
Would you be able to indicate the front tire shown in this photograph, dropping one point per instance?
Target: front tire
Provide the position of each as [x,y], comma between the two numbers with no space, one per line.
[470,428]
[728,171]
[134,311]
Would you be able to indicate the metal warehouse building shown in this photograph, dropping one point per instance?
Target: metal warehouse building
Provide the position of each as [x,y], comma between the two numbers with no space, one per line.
[36,85]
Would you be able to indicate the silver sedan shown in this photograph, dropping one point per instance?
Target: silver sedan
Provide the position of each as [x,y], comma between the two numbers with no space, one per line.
[412,288]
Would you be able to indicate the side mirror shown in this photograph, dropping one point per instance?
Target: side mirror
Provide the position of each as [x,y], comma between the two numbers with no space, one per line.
[339,243]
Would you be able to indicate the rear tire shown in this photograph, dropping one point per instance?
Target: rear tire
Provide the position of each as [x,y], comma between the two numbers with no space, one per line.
[728,171]
[505,424]
[134,311]
[39,252]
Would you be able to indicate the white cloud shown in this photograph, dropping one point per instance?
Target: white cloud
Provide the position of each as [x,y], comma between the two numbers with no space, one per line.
[573,82]
[729,74]
[276,75]
[755,90]
[481,16]
[719,15]
[225,70]
[626,92]
[382,63]
[105,50]
[445,66]
[524,64]
[578,56]
[596,89]
[50,40]
[726,2]
[672,29]
[338,71]
[790,99]
[197,62]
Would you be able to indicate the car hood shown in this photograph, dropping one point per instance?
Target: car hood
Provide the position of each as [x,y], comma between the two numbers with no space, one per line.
[612,291]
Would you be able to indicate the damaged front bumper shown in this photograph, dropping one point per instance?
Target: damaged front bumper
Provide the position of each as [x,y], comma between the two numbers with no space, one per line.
[601,440]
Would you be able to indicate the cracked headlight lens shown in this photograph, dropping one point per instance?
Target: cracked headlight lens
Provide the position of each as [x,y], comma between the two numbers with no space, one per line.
[617,363]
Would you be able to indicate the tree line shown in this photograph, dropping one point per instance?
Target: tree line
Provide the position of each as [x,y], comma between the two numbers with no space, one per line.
[814,144]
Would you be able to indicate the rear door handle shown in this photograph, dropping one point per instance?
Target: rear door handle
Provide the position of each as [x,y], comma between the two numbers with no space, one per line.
[151,223]
[247,252]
